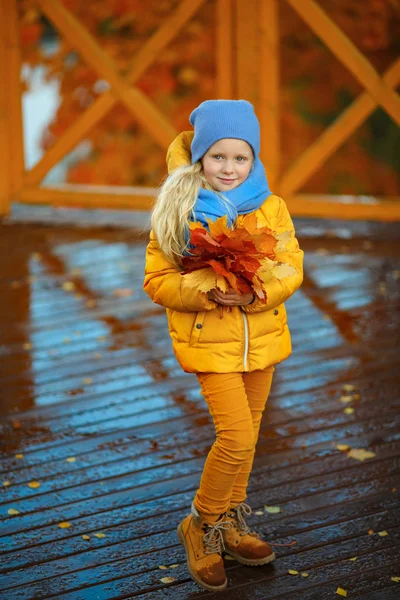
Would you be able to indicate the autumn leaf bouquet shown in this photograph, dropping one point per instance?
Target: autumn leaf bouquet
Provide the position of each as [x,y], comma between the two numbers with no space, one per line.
[242,258]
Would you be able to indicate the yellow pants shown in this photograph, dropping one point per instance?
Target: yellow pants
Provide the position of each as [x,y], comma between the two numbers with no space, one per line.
[236,402]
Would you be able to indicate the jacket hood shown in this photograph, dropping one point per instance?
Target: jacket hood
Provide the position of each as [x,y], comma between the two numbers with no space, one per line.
[179,152]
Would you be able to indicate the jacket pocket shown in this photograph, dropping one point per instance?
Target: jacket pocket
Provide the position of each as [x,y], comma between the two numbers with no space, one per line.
[197,328]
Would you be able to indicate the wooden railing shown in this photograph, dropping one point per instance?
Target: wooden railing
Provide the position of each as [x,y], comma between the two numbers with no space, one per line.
[238,67]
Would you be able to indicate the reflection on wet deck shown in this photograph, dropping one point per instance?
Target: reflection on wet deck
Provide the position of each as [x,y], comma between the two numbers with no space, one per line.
[96,411]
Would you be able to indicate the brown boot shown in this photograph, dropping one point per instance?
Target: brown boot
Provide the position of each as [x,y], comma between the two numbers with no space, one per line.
[202,542]
[244,545]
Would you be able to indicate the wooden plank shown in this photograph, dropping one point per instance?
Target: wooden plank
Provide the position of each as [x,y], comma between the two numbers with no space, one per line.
[342,47]
[332,138]
[5,159]
[98,110]
[14,92]
[344,207]
[143,109]
[84,196]
[268,105]
[225,61]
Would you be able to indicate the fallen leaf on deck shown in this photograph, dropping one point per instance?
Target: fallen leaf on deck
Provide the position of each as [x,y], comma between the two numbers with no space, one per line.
[360,454]
[272,509]
[162,567]
[90,303]
[86,537]
[67,340]
[349,410]
[174,566]
[6,483]
[27,346]
[348,387]
[304,574]
[342,446]
[100,535]
[19,456]
[87,380]
[167,579]
[259,512]
[371,531]
[341,592]
[71,459]
[34,484]
[16,425]
[346,398]
[64,525]
[382,533]
[123,292]
[395,579]
[292,572]
[68,286]
[354,558]
[13,511]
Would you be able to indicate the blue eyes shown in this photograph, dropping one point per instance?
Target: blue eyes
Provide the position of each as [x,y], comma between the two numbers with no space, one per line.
[239,158]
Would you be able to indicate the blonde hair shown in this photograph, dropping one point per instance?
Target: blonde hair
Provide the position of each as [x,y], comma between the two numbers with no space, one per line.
[174,209]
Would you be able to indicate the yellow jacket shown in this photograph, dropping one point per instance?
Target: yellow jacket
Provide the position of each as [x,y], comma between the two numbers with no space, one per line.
[248,338]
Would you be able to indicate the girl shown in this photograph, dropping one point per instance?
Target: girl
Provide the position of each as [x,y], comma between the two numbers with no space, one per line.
[216,171]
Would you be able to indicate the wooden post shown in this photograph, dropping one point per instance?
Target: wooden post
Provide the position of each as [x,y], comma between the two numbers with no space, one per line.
[14,93]
[268,90]
[224,49]
[246,50]
[5,159]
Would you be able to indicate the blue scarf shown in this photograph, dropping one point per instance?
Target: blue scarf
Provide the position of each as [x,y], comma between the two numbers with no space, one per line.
[245,198]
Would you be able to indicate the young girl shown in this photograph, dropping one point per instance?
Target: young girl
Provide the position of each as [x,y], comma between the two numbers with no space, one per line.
[216,171]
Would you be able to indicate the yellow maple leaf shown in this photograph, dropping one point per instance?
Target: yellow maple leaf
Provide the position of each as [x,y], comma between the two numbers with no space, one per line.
[342,446]
[354,558]
[163,567]
[360,454]
[283,240]
[86,537]
[341,592]
[34,484]
[174,566]
[205,280]
[70,459]
[64,525]
[167,579]
[68,286]
[293,572]
[100,535]
[13,511]
[282,270]
[349,410]
[304,574]
[382,533]
[395,578]
[6,483]
[19,456]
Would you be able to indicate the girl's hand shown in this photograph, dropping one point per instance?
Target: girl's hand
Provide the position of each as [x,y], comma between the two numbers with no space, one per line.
[230,298]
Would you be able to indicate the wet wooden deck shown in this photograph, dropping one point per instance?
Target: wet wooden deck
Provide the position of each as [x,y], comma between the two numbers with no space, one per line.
[95,409]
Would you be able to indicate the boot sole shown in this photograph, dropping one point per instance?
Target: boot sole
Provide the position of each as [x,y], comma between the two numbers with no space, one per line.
[251,562]
[212,588]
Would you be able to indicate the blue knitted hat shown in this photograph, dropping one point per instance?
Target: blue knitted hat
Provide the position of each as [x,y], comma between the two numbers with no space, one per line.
[214,120]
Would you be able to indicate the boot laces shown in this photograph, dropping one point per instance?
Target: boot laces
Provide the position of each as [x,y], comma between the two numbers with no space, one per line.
[213,538]
[244,529]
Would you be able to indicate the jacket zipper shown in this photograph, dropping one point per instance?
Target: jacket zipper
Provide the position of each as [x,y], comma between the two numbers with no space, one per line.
[246,339]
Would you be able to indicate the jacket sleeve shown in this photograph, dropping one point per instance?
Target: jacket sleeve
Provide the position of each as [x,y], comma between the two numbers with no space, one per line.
[165,285]
[279,290]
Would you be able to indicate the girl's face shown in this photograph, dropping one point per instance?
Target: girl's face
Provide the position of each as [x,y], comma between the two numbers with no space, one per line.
[227,163]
